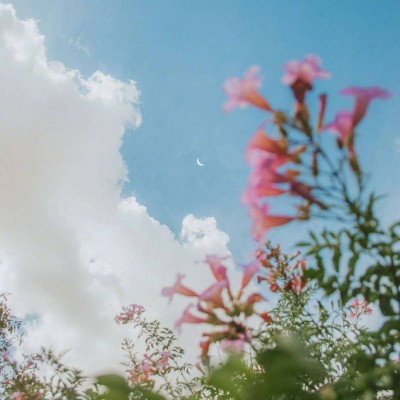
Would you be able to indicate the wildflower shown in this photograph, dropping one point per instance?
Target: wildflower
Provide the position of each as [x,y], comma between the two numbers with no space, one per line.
[164,363]
[19,396]
[300,75]
[188,317]
[359,308]
[346,121]
[178,287]
[249,271]
[363,97]
[259,189]
[279,148]
[205,346]
[217,268]
[129,314]
[236,346]
[263,221]
[306,70]
[213,294]
[244,91]
[266,317]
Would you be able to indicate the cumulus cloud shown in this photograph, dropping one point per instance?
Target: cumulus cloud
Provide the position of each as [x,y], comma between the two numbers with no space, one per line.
[72,250]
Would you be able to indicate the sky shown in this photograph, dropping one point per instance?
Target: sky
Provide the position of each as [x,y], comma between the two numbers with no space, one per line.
[65,206]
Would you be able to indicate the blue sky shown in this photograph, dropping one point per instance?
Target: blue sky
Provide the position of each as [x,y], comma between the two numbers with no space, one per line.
[181,51]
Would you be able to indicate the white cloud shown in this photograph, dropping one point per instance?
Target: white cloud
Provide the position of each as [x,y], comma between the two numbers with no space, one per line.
[71,248]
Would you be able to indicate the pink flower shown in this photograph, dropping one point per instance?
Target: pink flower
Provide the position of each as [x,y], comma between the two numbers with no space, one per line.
[306,70]
[258,189]
[217,268]
[359,308]
[342,125]
[205,346]
[187,317]
[213,294]
[345,121]
[297,284]
[236,346]
[300,76]
[146,367]
[18,396]
[178,287]
[164,363]
[260,141]
[254,298]
[363,96]
[266,317]
[128,314]
[263,221]
[249,271]
[244,91]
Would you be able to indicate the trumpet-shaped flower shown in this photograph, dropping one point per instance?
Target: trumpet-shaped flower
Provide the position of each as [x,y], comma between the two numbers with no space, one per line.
[178,287]
[256,191]
[235,346]
[19,396]
[129,313]
[188,317]
[213,294]
[359,308]
[249,271]
[263,221]
[164,362]
[216,266]
[244,91]
[363,96]
[305,70]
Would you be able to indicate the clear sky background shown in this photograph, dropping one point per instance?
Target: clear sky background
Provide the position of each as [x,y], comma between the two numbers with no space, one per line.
[180,52]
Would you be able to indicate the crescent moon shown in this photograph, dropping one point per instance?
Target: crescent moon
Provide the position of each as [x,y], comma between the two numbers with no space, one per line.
[199,163]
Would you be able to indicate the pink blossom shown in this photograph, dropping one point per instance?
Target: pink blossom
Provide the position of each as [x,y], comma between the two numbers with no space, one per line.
[213,294]
[216,266]
[263,221]
[237,345]
[266,317]
[342,125]
[249,271]
[205,346]
[256,191]
[306,70]
[244,91]
[146,367]
[254,298]
[345,121]
[363,96]
[6,357]
[178,287]
[188,317]
[359,308]
[164,363]
[297,284]
[128,314]
[18,396]
[260,141]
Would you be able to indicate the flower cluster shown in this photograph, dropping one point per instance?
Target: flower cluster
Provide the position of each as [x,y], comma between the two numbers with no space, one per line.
[281,271]
[273,160]
[150,367]
[220,307]
[129,313]
[359,308]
